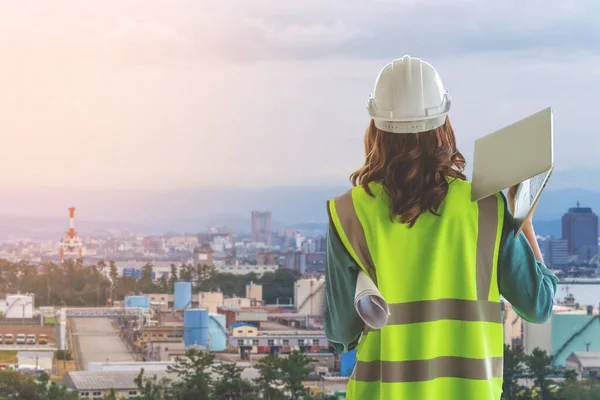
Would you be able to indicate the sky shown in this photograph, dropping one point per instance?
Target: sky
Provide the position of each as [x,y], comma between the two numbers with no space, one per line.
[146,94]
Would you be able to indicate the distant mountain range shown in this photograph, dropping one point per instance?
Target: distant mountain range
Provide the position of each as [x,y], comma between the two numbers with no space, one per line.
[41,213]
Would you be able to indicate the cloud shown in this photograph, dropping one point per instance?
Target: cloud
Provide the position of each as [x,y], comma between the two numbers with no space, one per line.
[273,29]
[265,92]
[383,29]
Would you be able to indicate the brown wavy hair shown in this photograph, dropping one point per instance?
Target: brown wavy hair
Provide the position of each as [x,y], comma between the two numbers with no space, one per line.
[412,168]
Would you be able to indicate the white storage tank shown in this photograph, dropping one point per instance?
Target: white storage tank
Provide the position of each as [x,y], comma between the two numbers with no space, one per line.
[309,296]
[19,306]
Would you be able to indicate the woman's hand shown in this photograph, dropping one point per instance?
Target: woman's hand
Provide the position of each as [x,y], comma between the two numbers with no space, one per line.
[512,192]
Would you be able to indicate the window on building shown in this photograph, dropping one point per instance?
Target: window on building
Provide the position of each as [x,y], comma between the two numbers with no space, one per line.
[240,342]
[97,394]
[254,342]
[270,342]
[316,342]
[133,393]
[286,342]
[250,331]
[240,331]
[84,394]
[300,342]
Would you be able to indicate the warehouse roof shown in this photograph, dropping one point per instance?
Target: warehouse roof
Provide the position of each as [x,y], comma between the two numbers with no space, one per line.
[34,354]
[589,359]
[106,380]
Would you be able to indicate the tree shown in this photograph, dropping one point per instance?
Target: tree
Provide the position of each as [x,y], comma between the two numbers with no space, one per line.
[193,379]
[163,284]
[269,381]
[278,284]
[186,272]
[513,369]
[294,373]
[539,364]
[230,385]
[51,391]
[150,387]
[146,284]
[570,375]
[172,277]
[587,389]
[112,395]
[113,273]
[204,277]
[15,385]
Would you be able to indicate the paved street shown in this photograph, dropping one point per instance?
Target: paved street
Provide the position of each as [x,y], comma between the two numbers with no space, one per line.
[98,340]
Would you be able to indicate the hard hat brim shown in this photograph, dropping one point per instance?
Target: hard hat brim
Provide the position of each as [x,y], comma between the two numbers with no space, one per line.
[417,126]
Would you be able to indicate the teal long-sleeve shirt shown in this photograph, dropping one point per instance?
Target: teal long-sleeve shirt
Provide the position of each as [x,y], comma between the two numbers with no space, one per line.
[524,282]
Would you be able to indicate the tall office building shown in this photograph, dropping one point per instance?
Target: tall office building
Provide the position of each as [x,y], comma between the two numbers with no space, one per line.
[261,227]
[580,230]
[556,253]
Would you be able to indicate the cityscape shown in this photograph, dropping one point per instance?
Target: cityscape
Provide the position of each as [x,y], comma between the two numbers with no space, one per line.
[165,200]
[240,296]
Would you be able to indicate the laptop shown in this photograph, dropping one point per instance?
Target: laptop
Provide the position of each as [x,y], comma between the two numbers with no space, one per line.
[520,154]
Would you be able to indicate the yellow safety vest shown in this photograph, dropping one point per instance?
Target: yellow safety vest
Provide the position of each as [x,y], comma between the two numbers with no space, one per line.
[444,337]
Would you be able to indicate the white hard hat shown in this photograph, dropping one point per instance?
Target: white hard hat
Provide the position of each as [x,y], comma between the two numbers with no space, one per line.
[408,97]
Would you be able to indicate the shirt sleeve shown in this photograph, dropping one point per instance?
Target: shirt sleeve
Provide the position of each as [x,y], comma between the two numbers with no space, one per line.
[343,326]
[524,281]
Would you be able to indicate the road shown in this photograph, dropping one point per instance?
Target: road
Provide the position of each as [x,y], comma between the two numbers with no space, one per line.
[98,340]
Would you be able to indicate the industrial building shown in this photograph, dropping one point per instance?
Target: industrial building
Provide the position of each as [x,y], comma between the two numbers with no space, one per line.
[97,384]
[41,360]
[254,291]
[206,300]
[18,306]
[513,325]
[309,296]
[586,364]
[567,331]
[236,314]
[137,302]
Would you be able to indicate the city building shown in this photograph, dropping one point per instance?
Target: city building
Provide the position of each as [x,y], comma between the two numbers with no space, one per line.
[580,230]
[261,227]
[209,300]
[259,270]
[244,329]
[203,255]
[321,244]
[586,364]
[513,325]
[154,244]
[556,252]
[237,302]
[236,314]
[295,260]
[254,291]
[159,268]
[316,262]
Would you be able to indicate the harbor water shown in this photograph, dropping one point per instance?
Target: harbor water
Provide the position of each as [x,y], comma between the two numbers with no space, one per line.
[584,294]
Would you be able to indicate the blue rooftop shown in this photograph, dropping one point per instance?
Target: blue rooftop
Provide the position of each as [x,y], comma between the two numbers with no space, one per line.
[238,324]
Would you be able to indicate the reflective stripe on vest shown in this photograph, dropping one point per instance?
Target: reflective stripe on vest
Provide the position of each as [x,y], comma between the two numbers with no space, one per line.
[356,219]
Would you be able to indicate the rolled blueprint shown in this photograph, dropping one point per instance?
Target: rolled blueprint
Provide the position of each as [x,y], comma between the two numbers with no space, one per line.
[369,303]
